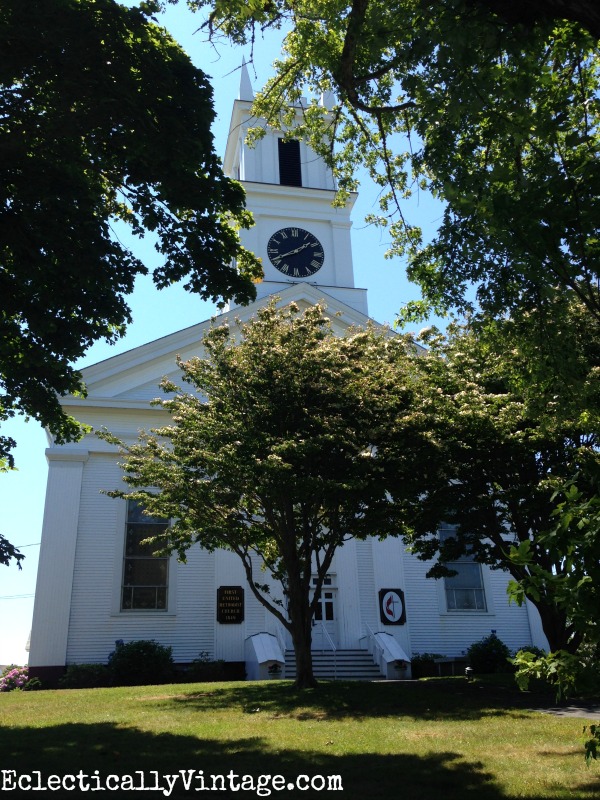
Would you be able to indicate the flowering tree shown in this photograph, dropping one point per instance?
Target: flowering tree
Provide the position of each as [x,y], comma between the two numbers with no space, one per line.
[283,450]
[508,448]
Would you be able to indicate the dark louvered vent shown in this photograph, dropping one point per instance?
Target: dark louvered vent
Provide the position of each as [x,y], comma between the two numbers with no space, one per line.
[290,173]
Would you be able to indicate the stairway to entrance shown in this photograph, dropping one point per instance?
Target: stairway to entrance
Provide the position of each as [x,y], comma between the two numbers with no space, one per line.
[345,665]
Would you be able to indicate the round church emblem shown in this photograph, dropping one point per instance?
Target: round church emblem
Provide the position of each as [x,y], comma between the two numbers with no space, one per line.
[391,606]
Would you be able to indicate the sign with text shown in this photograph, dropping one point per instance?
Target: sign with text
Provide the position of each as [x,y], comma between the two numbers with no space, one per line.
[391,606]
[230,605]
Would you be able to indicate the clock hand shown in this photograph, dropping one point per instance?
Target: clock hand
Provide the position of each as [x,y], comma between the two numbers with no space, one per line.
[297,250]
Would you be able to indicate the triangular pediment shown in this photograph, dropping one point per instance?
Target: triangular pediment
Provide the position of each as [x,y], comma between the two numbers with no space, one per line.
[132,378]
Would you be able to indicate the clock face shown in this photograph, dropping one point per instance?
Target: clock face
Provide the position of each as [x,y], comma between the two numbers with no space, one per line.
[295,252]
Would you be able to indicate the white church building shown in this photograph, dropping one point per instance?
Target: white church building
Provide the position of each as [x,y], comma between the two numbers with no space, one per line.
[96,584]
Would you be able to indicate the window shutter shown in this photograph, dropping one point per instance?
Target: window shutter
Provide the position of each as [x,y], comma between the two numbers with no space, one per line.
[290,173]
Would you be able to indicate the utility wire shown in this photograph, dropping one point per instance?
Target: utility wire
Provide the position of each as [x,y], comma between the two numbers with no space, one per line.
[16,596]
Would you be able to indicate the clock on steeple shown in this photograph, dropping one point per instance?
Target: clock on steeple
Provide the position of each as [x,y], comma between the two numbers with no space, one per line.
[298,234]
[295,252]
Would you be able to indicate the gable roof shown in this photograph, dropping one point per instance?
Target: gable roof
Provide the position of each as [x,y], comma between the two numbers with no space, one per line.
[131,379]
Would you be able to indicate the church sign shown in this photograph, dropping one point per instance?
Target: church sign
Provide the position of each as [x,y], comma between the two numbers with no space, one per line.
[230,605]
[391,606]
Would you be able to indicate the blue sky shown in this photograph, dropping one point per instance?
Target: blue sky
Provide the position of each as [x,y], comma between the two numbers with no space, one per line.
[157,314]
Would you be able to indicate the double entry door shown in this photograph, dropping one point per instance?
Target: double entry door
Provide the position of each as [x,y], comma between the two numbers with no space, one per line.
[325,620]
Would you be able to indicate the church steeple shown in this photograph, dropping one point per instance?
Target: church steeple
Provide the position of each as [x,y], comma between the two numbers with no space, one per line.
[245,92]
[299,235]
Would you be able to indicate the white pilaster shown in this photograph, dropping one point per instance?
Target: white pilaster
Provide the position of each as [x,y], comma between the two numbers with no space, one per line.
[57,557]
[538,637]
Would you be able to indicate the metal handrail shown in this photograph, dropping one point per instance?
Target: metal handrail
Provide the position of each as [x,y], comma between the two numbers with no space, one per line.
[377,648]
[333,648]
[280,639]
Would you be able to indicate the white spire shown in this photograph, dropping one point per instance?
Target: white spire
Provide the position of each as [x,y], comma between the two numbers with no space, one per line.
[327,100]
[245,92]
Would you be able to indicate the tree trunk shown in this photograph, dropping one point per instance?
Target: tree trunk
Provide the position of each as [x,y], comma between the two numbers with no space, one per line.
[301,630]
[556,628]
[302,640]
[555,621]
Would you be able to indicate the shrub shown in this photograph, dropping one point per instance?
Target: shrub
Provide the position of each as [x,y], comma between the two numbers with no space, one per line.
[425,658]
[14,677]
[535,651]
[489,655]
[423,665]
[85,676]
[140,662]
[566,673]
[204,668]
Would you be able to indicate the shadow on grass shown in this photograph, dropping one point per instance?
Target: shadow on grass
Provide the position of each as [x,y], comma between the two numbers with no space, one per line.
[427,701]
[67,749]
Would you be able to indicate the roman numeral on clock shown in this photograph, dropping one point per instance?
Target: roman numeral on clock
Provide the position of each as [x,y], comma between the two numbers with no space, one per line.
[295,252]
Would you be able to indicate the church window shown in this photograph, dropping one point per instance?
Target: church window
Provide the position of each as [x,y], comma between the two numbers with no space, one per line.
[145,575]
[290,172]
[325,610]
[464,591]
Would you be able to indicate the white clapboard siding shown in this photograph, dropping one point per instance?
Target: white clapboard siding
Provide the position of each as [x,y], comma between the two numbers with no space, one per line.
[91,636]
[366,582]
[389,558]
[360,569]
[96,621]
[258,618]
[450,634]
[194,630]
[352,568]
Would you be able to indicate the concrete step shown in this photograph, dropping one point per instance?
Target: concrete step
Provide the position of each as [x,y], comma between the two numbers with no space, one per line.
[343,665]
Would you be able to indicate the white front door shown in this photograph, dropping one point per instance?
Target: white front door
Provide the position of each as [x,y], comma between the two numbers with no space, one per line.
[325,620]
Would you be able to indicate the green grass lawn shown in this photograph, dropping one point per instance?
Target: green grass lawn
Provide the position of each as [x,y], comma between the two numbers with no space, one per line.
[435,740]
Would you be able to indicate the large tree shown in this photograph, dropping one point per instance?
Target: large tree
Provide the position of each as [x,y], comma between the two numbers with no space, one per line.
[280,452]
[491,106]
[506,455]
[574,543]
[103,121]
